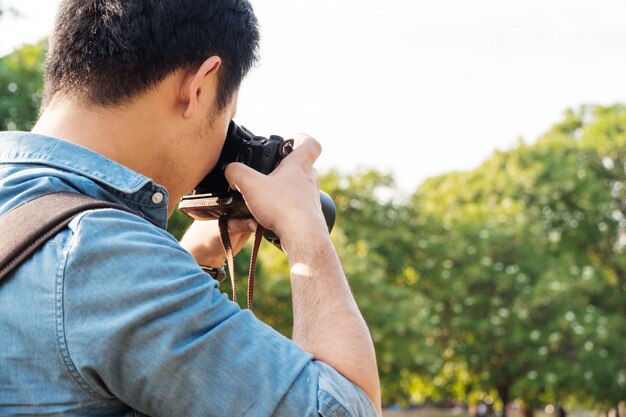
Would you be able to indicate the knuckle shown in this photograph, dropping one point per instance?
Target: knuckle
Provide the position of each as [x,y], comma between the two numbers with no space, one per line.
[317,144]
[301,137]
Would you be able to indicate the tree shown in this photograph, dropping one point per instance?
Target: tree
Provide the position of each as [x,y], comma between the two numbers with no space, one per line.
[21,85]
[375,238]
[514,259]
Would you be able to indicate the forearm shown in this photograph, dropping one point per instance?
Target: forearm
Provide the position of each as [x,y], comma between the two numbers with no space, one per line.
[202,240]
[327,321]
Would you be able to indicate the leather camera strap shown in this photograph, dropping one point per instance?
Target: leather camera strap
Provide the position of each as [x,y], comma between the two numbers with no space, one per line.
[258,236]
[28,226]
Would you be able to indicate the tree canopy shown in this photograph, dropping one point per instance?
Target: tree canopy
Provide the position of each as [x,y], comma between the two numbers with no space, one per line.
[21,87]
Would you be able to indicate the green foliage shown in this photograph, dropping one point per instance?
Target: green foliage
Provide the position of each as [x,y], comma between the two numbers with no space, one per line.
[374,236]
[522,262]
[178,223]
[21,87]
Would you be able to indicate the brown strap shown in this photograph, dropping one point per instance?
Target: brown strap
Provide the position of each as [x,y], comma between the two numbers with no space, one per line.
[224,236]
[258,236]
[28,226]
[228,248]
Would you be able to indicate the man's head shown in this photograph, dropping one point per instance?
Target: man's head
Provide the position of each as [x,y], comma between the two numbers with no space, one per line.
[151,84]
[107,52]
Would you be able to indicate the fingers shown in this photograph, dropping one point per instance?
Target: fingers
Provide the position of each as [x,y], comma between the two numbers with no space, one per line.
[306,148]
[240,175]
[242,225]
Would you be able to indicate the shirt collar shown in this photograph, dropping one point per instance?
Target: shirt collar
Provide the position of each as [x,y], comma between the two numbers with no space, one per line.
[122,184]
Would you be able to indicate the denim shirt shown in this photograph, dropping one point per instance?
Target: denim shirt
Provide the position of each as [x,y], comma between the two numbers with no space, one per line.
[112,317]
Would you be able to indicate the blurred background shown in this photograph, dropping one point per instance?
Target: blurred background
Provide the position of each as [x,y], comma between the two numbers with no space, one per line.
[476,151]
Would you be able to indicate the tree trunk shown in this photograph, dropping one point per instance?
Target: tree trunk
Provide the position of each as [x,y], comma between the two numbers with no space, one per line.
[503,393]
[528,409]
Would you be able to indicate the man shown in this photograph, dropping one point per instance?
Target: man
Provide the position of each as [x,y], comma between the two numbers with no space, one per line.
[112,316]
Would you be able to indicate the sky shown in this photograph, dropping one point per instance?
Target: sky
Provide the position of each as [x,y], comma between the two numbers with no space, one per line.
[416,88]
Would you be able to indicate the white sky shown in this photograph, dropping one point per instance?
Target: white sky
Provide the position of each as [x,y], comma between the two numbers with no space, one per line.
[416,87]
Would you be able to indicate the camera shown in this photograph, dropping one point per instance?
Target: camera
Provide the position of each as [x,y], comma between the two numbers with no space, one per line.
[213,198]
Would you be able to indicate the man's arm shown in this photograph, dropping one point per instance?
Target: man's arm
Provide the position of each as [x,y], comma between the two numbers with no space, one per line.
[202,240]
[327,321]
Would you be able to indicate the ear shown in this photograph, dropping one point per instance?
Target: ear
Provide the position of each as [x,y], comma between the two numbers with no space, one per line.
[191,87]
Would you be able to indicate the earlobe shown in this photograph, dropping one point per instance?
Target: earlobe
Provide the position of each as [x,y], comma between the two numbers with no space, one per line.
[192,85]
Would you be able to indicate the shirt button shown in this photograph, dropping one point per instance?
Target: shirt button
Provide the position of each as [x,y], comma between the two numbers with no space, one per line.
[157,198]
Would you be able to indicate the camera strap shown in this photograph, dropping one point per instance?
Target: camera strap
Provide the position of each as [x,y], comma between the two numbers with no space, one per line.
[228,248]
[28,226]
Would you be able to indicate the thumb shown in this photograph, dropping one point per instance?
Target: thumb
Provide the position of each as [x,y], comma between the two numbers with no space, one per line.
[240,176]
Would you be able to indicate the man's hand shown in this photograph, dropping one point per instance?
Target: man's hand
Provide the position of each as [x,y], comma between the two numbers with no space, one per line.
[287,201]
[202,240]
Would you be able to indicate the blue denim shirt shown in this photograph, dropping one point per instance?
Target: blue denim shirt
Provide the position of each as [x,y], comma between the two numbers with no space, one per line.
[112,317]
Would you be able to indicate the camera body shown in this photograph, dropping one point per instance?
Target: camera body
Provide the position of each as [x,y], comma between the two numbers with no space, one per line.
[213,198]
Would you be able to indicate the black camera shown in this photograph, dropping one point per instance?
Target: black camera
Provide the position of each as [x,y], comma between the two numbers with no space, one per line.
[213,198]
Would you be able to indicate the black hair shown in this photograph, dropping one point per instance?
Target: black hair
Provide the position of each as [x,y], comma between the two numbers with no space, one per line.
[107,52]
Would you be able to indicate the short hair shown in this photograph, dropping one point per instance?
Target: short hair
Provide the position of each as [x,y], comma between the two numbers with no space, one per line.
[106,52]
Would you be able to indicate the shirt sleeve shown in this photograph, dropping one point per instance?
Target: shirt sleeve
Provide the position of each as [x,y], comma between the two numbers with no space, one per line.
[329,395]
[142,324]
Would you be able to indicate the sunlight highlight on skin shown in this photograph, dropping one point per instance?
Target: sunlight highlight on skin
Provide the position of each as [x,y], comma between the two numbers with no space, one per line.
[301,269]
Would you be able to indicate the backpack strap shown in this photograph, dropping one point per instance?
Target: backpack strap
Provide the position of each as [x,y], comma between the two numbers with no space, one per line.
[25,228]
